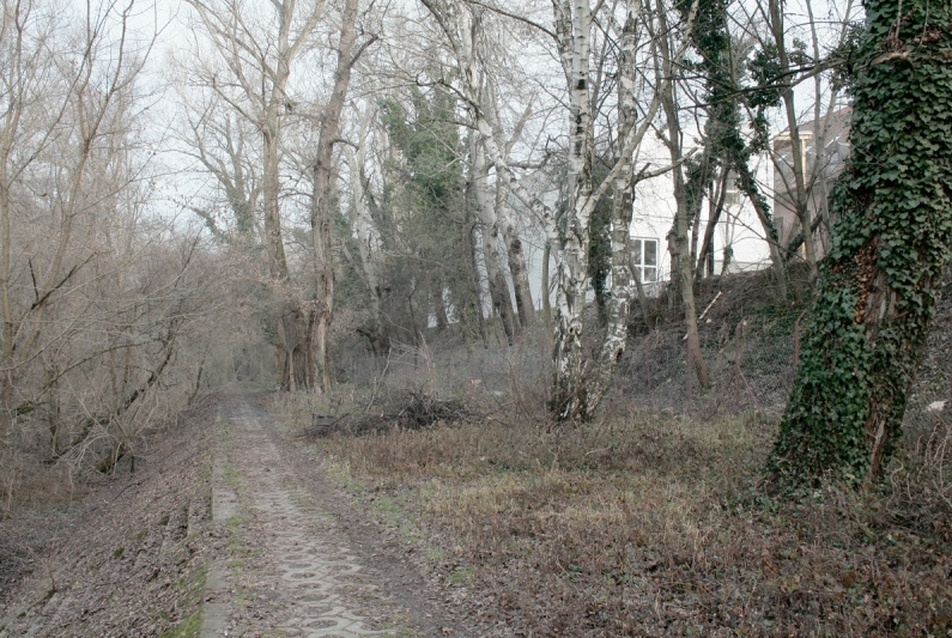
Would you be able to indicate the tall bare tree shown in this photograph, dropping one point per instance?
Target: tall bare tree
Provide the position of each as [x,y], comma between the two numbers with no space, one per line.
[349,49]
[255,47]
[579,384]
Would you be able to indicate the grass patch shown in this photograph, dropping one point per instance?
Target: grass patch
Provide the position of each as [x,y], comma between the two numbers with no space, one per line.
[190,626]
[652,524]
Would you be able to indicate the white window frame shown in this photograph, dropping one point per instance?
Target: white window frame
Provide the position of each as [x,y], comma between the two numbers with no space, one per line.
[646,273]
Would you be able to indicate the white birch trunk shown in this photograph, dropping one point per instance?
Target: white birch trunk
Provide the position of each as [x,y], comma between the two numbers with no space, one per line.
[576,391]
[489,229]
[518,270]
[573,22]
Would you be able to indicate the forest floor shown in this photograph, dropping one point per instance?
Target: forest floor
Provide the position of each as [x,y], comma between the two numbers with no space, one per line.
[227,527]
[439,500]
[252,517]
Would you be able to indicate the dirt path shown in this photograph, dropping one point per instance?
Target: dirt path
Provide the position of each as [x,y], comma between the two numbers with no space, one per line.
[288,564]
[227,528]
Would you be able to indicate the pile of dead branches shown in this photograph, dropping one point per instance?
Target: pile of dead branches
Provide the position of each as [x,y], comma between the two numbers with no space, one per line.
[407,411]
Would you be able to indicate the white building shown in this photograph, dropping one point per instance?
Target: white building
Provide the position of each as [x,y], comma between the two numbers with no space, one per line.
[739,239]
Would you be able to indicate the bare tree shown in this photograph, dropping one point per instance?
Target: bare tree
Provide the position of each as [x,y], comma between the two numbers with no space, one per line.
[579,384]
[221,141]
[62,114]
[349,49]
[255,52]
[97,294]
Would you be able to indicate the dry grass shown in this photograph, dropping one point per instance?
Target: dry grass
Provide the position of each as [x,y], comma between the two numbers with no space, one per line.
[653,525]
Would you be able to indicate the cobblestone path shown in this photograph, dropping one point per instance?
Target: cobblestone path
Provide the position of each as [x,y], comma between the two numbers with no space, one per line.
[285,568]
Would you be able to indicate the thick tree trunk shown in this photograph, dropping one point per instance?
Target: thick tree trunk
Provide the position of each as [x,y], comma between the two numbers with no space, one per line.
[323,187]
[573,21]
[286,332]
[892,241]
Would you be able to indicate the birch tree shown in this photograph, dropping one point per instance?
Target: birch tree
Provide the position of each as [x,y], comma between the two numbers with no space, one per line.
[579,384]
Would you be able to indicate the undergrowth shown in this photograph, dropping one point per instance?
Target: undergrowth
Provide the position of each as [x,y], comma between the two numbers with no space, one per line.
[653,524]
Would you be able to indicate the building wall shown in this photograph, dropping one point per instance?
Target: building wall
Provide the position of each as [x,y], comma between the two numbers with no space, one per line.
[738,233]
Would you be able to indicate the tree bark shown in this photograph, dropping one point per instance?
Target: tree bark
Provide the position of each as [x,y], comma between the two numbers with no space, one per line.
[323,187]
[489,229]
[688,197]
[892,240]
[800,190]
[369,240]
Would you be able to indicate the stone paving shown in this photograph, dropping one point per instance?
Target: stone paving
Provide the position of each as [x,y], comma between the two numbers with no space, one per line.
[319,584]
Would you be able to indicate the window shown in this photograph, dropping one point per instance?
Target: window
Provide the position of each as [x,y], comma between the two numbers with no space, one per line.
[644,258]
[732,194]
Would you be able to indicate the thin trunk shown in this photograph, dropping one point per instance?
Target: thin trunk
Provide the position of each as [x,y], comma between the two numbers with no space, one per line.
[748,185]
[489,229]
[472,300]
[370,248]
[688,197]
[547,291]
[705,258]
[7,368]
[800,196]
[519,273]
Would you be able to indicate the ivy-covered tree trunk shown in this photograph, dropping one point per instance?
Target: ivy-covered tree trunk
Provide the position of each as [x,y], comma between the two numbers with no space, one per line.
[878,288]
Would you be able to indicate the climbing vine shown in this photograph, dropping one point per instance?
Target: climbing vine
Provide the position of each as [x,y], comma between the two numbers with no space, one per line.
[892,241]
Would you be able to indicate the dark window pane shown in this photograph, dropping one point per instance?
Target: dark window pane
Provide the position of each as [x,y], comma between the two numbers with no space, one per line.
[651,253]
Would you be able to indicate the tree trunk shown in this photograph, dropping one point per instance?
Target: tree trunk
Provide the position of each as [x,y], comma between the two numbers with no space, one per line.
[7,329]
[323,184]
[569,401]
[800,204]
[369,241]
[892,241]
[689,197]
[516,258]
[489,227]
[748,185]
[520,277]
